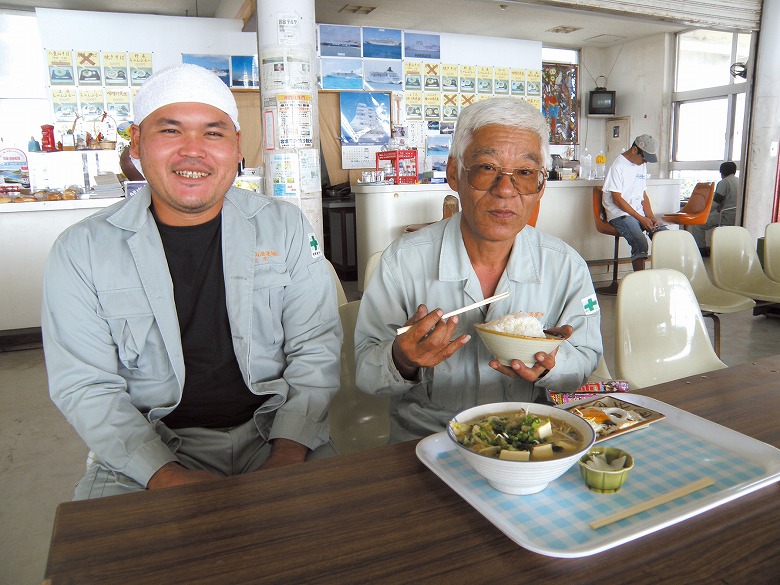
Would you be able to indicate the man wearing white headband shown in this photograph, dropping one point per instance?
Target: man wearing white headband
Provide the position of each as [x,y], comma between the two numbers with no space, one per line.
[191,332]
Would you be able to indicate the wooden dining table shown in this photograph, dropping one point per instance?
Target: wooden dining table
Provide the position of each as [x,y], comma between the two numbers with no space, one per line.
[381,516]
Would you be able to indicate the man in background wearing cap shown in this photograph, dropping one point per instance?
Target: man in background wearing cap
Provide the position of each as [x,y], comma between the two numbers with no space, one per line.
[626,201]
[190,332]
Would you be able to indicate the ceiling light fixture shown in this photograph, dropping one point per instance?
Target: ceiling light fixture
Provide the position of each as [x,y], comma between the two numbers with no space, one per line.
[358,9]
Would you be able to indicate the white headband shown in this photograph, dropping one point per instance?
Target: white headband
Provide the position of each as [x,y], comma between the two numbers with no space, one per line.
[184,83]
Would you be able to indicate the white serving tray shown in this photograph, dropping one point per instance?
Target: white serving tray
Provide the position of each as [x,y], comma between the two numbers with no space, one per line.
[668,454]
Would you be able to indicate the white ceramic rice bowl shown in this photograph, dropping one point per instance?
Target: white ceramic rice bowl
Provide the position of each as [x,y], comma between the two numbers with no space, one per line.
[507,347]
[522,477]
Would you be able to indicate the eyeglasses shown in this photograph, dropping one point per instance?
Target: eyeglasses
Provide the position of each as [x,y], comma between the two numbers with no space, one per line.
[485,176]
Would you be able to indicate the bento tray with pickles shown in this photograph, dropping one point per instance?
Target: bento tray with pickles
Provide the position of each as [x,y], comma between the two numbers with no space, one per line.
[611,416]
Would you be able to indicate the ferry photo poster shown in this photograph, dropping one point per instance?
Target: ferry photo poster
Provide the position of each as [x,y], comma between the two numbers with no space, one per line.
[365,118]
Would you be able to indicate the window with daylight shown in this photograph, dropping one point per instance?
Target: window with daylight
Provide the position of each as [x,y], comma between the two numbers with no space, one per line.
[708,104]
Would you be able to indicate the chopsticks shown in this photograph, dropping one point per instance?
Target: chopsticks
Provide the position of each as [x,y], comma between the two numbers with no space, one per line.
[486,301]
[656,501]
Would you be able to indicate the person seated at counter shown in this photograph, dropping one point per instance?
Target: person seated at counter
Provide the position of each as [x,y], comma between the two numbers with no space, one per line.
[497,164]
[724,206]
[181,335]
[625,198]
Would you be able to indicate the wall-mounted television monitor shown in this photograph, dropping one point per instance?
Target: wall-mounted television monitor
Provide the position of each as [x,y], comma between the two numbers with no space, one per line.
[601,102]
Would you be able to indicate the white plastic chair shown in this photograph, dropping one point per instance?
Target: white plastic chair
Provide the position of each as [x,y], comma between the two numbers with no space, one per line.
[772,251]
[373,262]
[358,421]
[340,294]
[736,267]
[660,334]
[677,250]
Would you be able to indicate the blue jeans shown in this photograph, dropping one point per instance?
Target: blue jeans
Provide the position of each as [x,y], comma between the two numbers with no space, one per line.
[633,232]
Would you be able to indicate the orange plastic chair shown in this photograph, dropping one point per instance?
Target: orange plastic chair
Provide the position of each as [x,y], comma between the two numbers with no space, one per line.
[604,227]
[534,214]
[697,209]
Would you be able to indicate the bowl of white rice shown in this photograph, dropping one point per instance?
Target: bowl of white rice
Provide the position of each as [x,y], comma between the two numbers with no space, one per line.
[516,336]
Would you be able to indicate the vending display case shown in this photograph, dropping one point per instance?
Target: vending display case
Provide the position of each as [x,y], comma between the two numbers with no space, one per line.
[400,166]
[29,228]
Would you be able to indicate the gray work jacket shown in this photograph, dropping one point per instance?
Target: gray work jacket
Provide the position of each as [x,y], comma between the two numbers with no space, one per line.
[111,334]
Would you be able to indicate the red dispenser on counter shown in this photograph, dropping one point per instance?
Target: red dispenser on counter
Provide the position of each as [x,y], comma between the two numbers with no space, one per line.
[48,143]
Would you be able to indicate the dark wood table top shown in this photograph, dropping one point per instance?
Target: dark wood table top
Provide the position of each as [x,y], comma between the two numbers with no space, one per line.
[381,516]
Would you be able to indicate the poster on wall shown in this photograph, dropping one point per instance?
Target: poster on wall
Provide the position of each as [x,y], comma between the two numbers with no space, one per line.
[310,170]
[91,100]
[533,83]
[485,79]
[449,106]
[244,72]
[449,77]
[284,174]
[64,103]
[60,65]
[339,41]
[359,157]
[295,126]
[431,79]
[466,100]
[414,102]
[365,118]
[559,101]
[273,75]
[341,73]
[298,68]
[269,123]
[88,68]
[412,75]
[382,43]
[467,74]
[534,101]
[118,103]
[115,68]
[140,67]
[422,46]
[432,102]
[517,81]
[382,74]
[219,64]
[437,150]
[501,80]
[288,29]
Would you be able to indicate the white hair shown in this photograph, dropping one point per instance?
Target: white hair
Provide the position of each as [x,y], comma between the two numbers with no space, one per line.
[501,111]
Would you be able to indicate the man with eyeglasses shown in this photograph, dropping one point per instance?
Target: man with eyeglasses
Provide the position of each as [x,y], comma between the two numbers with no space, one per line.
[498,165]
[625,197]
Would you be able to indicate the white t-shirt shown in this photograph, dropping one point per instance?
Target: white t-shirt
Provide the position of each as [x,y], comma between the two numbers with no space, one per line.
[630,181]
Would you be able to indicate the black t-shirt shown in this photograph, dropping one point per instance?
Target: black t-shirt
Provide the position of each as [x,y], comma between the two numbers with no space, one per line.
[215,395]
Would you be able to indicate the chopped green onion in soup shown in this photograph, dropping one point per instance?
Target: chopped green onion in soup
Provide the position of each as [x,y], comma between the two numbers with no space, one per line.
[519,437]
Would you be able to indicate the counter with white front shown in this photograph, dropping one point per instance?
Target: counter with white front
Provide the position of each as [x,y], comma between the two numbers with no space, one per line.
[383,212]
[27,232]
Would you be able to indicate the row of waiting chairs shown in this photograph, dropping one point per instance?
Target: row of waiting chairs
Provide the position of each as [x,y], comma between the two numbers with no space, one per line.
[737,268]
[667,339]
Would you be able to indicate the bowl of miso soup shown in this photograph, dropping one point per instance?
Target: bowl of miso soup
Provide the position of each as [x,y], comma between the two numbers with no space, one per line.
[520,447]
